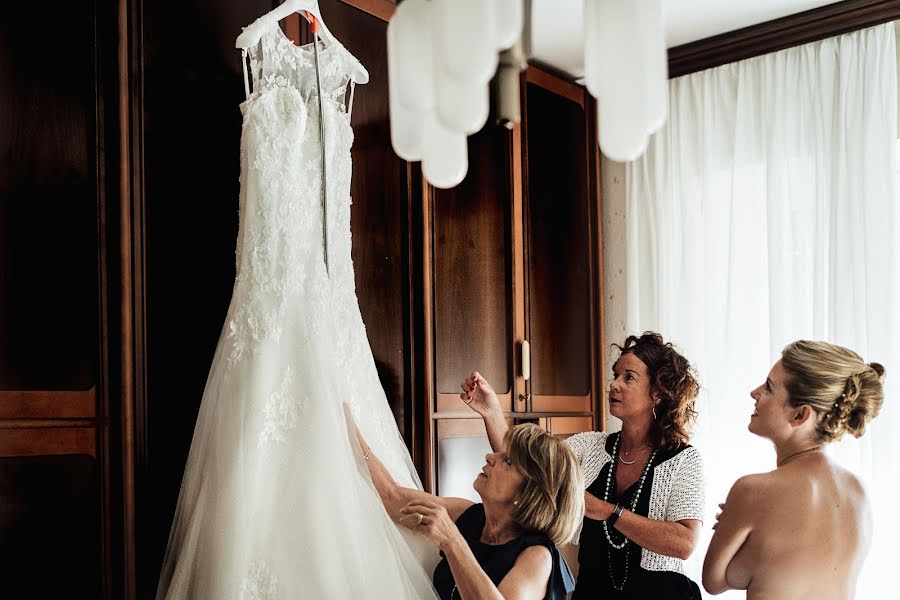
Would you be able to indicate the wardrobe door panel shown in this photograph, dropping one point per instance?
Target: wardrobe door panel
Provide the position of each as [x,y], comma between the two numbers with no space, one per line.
[558,255]
[51,171]
[566,426]
[49,527]
[49,297]
[473,301]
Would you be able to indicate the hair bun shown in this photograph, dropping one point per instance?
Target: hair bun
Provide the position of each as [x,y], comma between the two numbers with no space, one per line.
[879,370]
[844,390]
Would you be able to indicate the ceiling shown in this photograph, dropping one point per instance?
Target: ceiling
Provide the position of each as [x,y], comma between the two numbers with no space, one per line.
[558,36]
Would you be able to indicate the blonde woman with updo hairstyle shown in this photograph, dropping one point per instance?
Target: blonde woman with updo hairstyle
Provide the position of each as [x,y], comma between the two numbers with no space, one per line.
[802,530]
[506,545]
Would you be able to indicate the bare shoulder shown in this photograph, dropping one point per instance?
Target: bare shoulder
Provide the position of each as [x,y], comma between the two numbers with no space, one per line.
[754,483]
[750,490]
[846,477]
[536,559]
[530,575]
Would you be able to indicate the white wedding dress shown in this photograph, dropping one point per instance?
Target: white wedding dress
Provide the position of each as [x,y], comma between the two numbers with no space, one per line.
[276,501]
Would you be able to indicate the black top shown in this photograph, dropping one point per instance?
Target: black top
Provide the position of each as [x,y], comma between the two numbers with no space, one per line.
[496,561]
[602,568]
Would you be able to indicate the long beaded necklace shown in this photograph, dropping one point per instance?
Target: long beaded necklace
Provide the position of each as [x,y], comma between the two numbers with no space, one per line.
[611,477]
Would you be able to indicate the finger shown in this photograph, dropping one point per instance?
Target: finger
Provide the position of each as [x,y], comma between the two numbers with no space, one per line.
[415,519]
[414,507]
[413,525]
[409,520]
[420,505]
[425,509]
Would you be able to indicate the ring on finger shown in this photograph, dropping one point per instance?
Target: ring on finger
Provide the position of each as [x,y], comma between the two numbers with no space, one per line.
[420,517]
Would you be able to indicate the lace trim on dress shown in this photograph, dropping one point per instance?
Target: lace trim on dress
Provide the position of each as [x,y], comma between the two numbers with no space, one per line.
[282,412]
[260,583]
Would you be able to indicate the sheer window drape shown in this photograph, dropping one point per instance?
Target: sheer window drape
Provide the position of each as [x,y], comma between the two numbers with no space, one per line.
[765,211]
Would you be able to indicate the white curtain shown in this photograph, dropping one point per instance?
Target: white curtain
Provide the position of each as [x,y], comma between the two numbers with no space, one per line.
[765,211]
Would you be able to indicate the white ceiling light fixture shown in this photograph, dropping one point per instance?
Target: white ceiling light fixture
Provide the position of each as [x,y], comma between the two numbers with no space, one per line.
[626,70]
[442,55]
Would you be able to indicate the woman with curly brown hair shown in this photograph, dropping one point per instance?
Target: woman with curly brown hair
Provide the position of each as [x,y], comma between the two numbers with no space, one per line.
[645,489]
[802,530]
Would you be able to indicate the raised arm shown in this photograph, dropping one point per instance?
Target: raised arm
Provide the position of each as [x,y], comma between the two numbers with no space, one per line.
[481,398]
[394,496]
[732,529]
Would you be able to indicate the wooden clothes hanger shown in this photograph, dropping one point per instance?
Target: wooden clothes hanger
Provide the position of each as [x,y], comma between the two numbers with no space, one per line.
[250,36]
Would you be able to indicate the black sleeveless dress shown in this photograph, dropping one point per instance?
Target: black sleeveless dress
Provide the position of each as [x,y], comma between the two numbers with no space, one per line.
[496,561]
[602,568]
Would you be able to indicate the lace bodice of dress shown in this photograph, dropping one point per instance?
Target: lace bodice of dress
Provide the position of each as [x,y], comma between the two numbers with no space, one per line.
[280,243]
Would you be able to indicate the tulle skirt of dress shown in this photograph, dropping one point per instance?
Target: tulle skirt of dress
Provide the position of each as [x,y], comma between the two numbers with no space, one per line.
[276,500]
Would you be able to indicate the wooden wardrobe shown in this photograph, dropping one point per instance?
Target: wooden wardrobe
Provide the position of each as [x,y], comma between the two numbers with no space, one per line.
[512,279]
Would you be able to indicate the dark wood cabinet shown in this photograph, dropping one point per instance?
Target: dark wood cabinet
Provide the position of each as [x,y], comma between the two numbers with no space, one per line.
[512,260]
[57,113]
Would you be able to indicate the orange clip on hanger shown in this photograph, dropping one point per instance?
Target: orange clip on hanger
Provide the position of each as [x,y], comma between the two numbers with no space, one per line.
[313,22]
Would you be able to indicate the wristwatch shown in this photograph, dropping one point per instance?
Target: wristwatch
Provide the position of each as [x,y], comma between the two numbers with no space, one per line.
[616,513]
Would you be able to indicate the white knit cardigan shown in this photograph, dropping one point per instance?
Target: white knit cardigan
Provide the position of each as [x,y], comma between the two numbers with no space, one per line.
[678,490]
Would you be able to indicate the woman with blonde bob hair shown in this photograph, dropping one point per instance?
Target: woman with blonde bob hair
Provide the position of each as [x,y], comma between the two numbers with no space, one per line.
[802,530]
[504,547]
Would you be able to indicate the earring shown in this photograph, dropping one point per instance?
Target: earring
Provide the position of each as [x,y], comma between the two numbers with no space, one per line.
[653,410]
